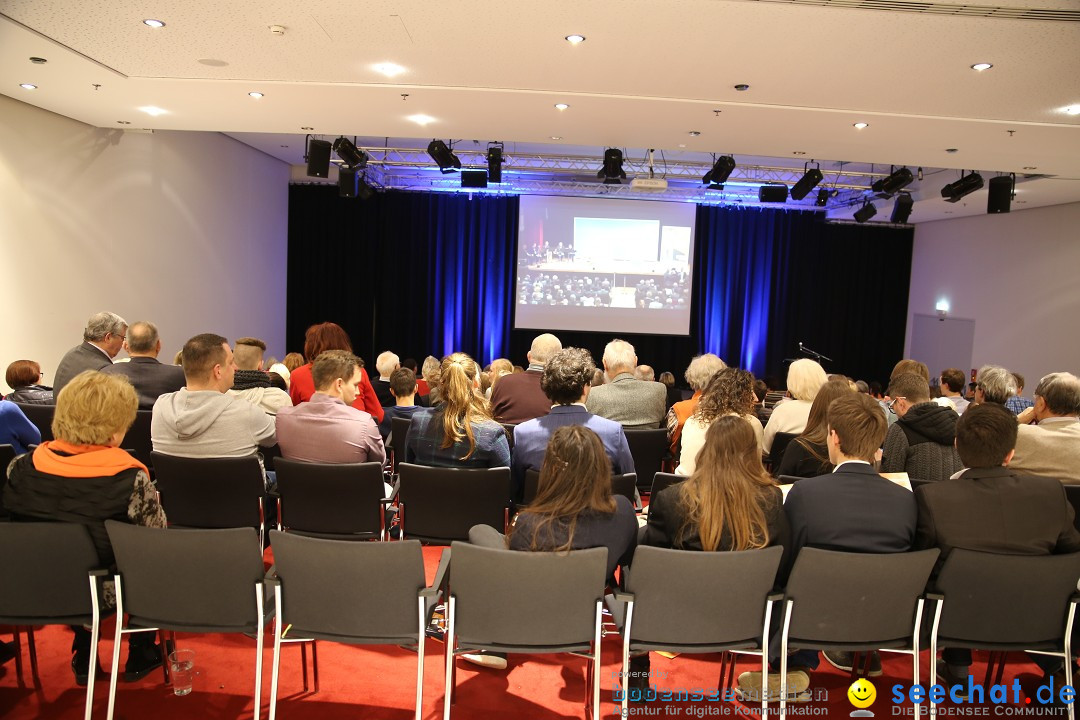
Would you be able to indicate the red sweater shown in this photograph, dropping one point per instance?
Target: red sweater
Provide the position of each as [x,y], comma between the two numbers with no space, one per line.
[302,387]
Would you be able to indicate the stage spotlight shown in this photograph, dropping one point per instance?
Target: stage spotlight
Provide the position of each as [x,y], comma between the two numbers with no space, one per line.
[612,170]
[353,157]
[866,212]
[901,210]
[444,156]
[896,181]
[495,161]
[963,187]
[721,169]
[806,183]
[772,193]
[822,197]
[715,186]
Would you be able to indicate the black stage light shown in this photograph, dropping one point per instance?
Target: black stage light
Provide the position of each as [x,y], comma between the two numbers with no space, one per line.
[715,186]
[612,170]
[901,210]
[318,158]
[896,181]
[966,185]
[444,156]
[474,179]
[352,156]
[363,190]
[494,161]
[866,212]
[721,169]
[772,193]
[822,197]
[806,183]
[999,197]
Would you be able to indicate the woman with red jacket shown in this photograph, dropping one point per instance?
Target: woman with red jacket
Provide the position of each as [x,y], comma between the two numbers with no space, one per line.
[317,340]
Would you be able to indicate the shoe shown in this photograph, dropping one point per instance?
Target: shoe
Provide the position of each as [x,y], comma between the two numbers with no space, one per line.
[7,652]
[80,665]
[949,680]
[1032,684]
[637,677]
[141,661]
[798,684]
[842,660]
[493,661]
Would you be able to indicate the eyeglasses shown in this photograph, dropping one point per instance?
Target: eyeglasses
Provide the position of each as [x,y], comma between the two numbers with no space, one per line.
[892,402]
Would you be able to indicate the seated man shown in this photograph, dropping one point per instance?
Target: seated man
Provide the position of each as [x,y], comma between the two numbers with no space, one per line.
[102,339]
[628,401]
[991,508]
[327,429]
[403,387]
[1051,447]
[921,443]
[852,509]
[150,378]
[202,420]
[996,385]
[952,382]
[252,383]
[517,397]
[386,364]
[566,383]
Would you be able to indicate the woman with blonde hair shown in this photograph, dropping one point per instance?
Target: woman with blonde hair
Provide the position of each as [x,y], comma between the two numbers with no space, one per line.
[459,432]
[729,392]
[805,377]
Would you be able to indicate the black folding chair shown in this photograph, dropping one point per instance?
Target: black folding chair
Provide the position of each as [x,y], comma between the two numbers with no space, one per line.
[7,454]
[1072,493]
[41,416]
[776,453]
[649,447]
[399,429]
[439,505]
[137,441]
[340,502]
[662,481]
[624,485]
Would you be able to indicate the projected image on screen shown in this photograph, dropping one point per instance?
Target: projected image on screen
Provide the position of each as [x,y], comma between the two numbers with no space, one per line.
[618,266]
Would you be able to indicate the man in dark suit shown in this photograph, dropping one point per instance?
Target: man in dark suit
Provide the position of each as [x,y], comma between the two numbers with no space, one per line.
[628,401]
[852,509]
[989,508]
[518,397]
[566,384]
[150,378]
[102,339]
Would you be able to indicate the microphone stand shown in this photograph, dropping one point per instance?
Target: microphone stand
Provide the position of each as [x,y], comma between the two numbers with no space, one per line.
[813,353]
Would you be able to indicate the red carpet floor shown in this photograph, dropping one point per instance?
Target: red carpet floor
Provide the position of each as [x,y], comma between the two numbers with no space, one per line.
[378,683]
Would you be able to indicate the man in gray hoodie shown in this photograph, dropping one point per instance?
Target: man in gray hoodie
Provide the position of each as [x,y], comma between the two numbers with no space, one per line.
[201,419]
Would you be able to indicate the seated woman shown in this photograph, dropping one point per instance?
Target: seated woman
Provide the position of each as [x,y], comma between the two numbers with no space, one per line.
[459,432]
[805,377]
[16,429]
[807,455]
[24,377]
[729,392]
[84,477]
[317,340]
[698,374]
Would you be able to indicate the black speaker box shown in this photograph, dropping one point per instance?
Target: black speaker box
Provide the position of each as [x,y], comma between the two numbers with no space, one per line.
[474,179]
[347,185]
[901,210]
[772,193]
[318,159]
[999,199]
[495,160]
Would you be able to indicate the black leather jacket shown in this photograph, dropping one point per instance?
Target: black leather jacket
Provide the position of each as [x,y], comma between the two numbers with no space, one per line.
[32,395]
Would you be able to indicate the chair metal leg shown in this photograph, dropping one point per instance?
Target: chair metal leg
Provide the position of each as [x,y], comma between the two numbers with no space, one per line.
[448,692]
[315,664]
[628,623]
[259,634]
[933,676]
[596,661]
[783,664]
[421,638]
[95,628]
[303,663]
[277,653]
[765,630]
[117,636]
[1069,621]
[32,647]
[16,639]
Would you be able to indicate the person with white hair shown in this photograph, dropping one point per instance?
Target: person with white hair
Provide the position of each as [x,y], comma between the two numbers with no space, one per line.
[386,364]
[698,374]
[628,401]
[517,398]
[103,338]
[1051,446]
[805,377]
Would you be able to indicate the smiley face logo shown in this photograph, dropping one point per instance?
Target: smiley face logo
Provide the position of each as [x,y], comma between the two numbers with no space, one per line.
[862,693]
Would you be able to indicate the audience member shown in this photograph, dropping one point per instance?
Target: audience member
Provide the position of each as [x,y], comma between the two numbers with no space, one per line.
[102,339]
[911,366]
[518,397]
[597,378]
[628,401]
[386,363]
[202,420]
[1018,403]
[990,508]
[84,477]
[808,455]
[282,372]
[645,372]
[952,382]
[995,384]
[565,382]
[1051,447]
[427,385]
[25,379]
[498,368]
[254,384]
[16,429]
[292,361]
[698,374]
[730,392]
[922,442]
[403,387]
[150,378]
[805,377]
[318,339]
[862,386]
[460,431]
[327,428]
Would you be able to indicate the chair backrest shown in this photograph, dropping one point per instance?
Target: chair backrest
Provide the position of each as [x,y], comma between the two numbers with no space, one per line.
[691,599]
[41,416]
[620,485]
[188,580]
[1006,598]
[331,500]
[441,504]
[535,600]
[399,428]
[915,483]
[648,446]
[7,454]
[509,428]
[1072,492]
[210,492]
[779,444]
[345,591]
[138,438]
[842,597]
[44,568]
[663,481]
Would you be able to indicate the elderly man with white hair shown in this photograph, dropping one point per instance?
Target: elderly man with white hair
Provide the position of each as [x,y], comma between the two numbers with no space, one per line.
[517,398]
[103,337]
[1051,446]
[386,364]
[631,402]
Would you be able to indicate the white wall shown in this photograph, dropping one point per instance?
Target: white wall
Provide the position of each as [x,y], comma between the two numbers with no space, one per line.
[1017,275]
[188,230]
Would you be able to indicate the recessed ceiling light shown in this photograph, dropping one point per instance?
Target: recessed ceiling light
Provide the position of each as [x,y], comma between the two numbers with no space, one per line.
[421,119]
[1021,202]
[575,39]
[981,66]
[561,106]
[307,128]
[28,86]
[388,69]
[861,125]
[798,152]
[38,60]
[212,62]
[742,87]
[153,110]
[284,146]
[695,133]
[682,145]
[1030,167]
[1071,110]
[122,122]
[556,137]
[952,150]
[255,95]
[154,23]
